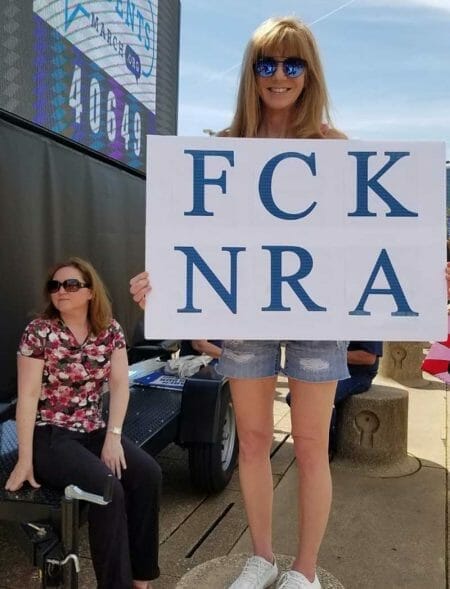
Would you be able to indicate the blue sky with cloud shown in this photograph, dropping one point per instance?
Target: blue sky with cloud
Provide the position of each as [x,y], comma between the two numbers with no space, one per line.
[387,62]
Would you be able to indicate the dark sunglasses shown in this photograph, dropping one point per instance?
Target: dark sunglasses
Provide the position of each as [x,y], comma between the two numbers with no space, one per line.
[293,67]
[69,285]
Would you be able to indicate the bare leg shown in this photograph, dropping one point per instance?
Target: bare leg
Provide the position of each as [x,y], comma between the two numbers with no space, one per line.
[253,407]
[311,406]
[142,584]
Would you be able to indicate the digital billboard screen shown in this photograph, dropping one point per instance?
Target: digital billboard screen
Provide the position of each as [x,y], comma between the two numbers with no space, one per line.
[84,69]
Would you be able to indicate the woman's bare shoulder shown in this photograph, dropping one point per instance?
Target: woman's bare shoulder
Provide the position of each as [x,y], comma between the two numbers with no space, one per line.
[332,133]
[223,133]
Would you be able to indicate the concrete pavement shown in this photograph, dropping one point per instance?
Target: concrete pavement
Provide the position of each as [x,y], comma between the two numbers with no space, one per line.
[383,532]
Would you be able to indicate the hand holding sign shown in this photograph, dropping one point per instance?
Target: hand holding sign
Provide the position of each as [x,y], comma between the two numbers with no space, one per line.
[140,287]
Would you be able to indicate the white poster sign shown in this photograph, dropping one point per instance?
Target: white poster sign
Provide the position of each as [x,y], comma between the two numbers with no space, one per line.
[295,239]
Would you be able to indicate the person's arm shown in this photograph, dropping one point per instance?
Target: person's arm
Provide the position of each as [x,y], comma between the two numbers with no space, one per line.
[140,287]
[447,275]
[205,347]
[361,357]
[112,452]
[29,375]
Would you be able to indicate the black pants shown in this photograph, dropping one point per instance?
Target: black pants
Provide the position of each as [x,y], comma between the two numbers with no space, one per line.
[123,535]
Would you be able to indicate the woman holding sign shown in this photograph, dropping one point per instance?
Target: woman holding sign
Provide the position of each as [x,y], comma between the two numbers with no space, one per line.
[282,94]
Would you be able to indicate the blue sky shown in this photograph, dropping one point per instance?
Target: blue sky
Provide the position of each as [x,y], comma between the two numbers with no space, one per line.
[387,62]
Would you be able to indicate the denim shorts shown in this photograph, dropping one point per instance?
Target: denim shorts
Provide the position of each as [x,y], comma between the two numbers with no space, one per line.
[310,361]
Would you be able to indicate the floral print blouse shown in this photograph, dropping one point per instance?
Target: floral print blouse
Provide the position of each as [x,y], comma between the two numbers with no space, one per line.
[73,375]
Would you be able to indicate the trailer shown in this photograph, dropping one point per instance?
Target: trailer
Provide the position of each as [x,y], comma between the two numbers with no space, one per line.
[198,417]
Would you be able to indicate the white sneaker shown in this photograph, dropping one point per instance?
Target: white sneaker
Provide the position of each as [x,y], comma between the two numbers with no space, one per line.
[295,580]
[258,573]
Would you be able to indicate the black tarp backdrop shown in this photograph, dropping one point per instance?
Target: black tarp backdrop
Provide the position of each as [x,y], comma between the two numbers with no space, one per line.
[56,202]
[57,198]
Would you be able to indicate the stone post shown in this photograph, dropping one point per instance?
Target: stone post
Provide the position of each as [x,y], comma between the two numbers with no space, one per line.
[373,432]
[402,362]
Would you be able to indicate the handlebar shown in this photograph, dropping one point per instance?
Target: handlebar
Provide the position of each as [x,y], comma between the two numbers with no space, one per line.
[74,492]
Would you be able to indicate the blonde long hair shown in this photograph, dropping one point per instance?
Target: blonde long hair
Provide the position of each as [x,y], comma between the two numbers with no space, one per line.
[100,311]
[290,37]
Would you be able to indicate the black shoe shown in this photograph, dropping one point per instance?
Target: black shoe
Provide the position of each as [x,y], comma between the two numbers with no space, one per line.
[288,399]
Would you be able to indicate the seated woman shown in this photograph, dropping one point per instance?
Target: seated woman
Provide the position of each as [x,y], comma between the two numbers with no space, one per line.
[196,347]
[65,357]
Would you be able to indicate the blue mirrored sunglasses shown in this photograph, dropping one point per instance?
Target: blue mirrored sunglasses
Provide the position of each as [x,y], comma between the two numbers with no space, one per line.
[293,67]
